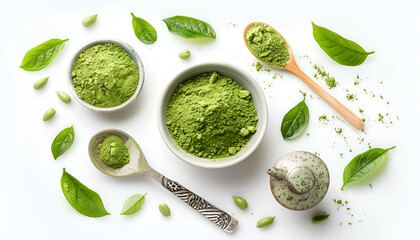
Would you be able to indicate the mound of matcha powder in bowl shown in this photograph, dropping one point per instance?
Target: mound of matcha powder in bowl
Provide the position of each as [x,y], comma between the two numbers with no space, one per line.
[211,116]
[105,76]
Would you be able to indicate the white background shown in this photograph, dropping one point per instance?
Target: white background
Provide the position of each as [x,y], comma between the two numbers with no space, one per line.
[32,205]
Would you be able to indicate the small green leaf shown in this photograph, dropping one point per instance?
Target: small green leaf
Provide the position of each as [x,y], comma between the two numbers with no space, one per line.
[133,204]
[363,164]
[89,21]
[81,198]
[41,83]
[320,218]
[164,210]
[63,96]
[49,114]
[189,27]
[40,56]
[240,202]
[340,49]
[145,32]
[295,121]
[264,222]
[62,142]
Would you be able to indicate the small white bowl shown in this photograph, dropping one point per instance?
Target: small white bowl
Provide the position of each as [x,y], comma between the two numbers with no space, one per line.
[132,54]
[243,79]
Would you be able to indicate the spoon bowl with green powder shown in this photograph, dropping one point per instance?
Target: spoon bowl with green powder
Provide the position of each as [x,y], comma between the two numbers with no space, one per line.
[269,46]
[106,75]
[212,115]
[116,153]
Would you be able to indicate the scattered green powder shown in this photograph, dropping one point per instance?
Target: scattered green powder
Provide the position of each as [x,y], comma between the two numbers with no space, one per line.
[357,81]
[113,152]
[267,45]
[105,75]
[211,116]
[258,66]
[323,117]
[338,130]
[381,118]
[330,81]
[276,75]
[361,110]
[350,96]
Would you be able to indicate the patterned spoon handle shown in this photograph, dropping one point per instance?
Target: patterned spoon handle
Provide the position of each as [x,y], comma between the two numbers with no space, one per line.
[208,210]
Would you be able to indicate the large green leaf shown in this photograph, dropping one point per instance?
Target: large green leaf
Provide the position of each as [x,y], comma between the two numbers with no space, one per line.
[81,198]
[340,49]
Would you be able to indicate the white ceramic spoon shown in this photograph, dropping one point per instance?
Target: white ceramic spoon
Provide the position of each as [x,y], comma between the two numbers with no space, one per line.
[139,166]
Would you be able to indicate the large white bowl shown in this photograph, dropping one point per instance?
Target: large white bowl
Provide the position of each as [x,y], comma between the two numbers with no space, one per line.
[243,79]
[132,54]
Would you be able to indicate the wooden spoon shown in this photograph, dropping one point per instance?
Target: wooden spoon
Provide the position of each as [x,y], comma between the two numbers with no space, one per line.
[292,66]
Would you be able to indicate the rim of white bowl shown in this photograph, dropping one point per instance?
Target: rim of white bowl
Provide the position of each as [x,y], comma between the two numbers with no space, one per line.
[189,158]
[133,54]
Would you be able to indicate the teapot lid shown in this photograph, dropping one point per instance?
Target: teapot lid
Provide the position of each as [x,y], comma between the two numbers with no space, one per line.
[299,180]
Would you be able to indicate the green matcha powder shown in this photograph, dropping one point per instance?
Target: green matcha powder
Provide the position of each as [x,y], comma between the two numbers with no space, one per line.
[105,75]
[211,116]
[113,152]
[267,45]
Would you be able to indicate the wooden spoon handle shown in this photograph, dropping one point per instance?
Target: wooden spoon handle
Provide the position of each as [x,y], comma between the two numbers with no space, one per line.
[352,118]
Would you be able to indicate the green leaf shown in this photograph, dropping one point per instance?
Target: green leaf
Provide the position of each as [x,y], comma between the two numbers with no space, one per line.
[62,142]
[264,222]
[240,202]
[363,164]
[164,210]
[188,27]
[341,50]
[295,121]
[40,56]
[81,198]
[145,32]
[133,204]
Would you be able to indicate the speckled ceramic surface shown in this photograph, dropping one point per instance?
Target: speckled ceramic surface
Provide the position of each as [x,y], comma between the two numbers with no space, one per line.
[299,180]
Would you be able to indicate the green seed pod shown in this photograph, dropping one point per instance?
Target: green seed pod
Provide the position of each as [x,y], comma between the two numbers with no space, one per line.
[41,83]
[63,96]
[240,202]
[264,222]
[89,21]
[164,209]
[50,113]
[320,218]
[184,54]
